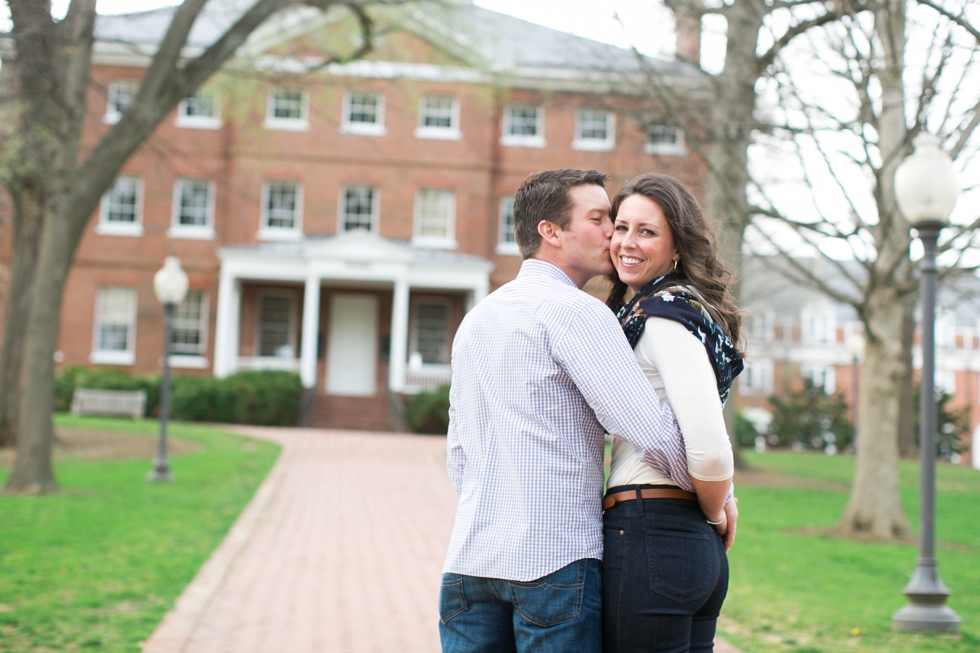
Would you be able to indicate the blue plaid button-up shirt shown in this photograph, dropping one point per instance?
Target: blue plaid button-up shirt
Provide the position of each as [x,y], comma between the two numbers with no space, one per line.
[540,371]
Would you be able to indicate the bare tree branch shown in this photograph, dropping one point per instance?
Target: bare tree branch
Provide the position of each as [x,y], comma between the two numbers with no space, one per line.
[958,19]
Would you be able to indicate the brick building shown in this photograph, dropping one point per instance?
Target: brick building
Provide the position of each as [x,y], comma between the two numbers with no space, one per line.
[338,220]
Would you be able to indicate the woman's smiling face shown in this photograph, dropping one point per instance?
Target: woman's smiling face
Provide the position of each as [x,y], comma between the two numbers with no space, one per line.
[642,246]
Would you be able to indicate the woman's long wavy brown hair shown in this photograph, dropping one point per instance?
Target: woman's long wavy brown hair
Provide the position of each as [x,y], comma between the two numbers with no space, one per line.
[695,241]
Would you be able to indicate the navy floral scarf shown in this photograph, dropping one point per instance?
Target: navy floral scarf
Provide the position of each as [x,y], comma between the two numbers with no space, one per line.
[668,297]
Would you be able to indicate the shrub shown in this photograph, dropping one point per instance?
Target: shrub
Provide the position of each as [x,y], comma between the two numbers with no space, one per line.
[810,419]
[103,379]
[267,398]
[745,432]
[428,412]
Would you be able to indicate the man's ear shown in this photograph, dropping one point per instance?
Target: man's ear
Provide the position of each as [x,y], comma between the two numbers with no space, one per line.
[550,233]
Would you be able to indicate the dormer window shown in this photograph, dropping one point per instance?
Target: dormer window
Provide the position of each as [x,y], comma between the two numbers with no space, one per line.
[364,115]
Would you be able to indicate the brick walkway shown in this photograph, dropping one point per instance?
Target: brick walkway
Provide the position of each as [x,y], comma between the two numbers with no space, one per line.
[340,551]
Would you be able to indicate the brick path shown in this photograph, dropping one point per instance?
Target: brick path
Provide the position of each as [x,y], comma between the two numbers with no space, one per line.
[340,551]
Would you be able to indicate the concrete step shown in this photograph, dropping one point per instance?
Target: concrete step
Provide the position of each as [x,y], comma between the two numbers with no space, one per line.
[353,413]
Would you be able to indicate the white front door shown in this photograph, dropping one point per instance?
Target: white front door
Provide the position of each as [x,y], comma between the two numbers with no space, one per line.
[352,351]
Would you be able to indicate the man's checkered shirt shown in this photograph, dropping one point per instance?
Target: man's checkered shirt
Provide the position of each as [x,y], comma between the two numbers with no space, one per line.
[540,371]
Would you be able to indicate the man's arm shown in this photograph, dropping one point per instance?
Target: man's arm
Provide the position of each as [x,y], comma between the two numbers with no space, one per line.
[596,355]
[455,458]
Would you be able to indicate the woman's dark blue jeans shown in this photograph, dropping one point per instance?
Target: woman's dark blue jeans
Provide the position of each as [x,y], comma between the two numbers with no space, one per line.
[665,576]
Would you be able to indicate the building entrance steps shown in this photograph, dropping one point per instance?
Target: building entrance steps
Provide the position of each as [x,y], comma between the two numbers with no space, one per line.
[352,413]
[340,550]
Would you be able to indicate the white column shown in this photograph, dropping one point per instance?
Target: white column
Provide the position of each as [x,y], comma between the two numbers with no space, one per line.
[477,292]
[311,324]
[226,324]
[399,336]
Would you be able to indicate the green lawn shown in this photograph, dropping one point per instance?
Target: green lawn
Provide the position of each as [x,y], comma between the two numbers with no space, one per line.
[96,566]
[795,589]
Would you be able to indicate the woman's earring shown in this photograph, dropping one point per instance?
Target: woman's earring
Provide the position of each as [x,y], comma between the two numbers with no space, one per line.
[675,265]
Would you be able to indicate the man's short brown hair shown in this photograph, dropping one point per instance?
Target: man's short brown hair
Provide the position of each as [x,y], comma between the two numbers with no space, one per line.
[544,196]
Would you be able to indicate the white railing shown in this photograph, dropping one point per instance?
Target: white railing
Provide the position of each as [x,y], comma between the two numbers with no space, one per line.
[427,378]
[255,363]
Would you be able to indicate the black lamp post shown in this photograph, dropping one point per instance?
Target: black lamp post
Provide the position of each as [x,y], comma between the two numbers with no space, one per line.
[926,190]
[170,286]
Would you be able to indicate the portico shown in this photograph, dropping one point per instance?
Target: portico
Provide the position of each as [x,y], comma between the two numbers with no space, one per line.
[337,288]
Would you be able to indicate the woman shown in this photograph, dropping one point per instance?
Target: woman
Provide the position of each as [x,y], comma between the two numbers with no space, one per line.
[665,570]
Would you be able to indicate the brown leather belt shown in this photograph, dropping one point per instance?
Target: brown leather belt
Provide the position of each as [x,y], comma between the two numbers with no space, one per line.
[611,500]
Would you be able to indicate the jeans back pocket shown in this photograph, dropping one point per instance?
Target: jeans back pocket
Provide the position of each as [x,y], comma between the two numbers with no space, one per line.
[553,599]
[683,565]
[452,599]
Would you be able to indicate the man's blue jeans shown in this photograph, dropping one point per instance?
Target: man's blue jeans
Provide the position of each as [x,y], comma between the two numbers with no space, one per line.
[557,613]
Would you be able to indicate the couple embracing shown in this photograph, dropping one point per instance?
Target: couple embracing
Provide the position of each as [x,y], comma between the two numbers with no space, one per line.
[540,559]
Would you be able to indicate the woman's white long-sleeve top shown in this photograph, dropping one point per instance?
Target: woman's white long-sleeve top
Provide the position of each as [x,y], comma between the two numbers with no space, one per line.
[677,367]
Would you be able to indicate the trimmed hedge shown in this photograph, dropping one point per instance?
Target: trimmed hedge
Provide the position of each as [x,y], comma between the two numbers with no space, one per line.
[428,412]
[267,398]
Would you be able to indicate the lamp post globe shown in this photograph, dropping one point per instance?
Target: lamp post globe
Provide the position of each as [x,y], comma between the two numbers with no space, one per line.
[170,285]
[926,190]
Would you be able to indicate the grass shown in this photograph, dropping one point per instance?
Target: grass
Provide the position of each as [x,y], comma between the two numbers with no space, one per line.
[96,565]
[795,589]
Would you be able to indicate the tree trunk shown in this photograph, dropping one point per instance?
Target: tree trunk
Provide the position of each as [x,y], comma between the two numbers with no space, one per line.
[28,218]
[907,445]
[875,507]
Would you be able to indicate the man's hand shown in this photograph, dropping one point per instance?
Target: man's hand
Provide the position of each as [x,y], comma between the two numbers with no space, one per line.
[731,514]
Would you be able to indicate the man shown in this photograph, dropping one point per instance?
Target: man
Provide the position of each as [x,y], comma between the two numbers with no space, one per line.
[540,371]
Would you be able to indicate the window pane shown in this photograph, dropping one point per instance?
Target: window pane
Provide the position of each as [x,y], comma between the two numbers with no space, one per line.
[121,95]
[432,332]
[281,205]
[189,325]
[275,316]
[363,108]
[435,213]
[199,104]
[194,202]
[507,219]
[114,321]
[523,120]
[663,135]
[287,103]
[593,124]
[358,208]
[437,112]
[122,200]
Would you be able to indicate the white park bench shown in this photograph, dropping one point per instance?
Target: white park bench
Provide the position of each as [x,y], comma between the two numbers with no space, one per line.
[130,403]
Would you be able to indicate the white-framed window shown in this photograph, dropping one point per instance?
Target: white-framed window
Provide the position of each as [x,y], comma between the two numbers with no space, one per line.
[200,110]
[276,333]
[360,205]
[595,130]
[120,95]
[818,325]
[761,325]
[823,376]
[430,330]
[282,211]
[364,114]
[288,108]
[193,209]
[114,336]
[438,118]
[189,333]
[523,126]
[665,139]
[435,218]
[506,243]
[121,209]
[756,378]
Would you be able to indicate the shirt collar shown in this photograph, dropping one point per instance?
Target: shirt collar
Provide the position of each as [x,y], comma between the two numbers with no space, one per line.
[533,266]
